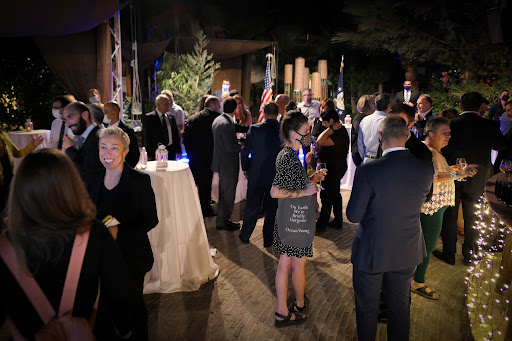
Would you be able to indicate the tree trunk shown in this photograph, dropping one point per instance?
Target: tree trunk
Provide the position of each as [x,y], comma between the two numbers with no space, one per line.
[409,66]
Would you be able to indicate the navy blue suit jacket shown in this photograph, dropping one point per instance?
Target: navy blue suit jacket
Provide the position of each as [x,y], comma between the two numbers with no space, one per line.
[386,200]
[263,143]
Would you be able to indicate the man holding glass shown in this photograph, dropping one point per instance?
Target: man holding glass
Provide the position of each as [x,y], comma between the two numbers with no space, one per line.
[472,138]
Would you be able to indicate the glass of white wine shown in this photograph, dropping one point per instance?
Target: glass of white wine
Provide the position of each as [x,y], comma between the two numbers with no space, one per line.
[506,168]
[321,167]
[461,162]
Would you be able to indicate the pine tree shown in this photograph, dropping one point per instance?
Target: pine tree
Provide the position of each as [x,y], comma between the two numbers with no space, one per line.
[188,76]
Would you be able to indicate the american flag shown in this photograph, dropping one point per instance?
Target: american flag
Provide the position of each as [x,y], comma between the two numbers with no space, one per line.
[267,92]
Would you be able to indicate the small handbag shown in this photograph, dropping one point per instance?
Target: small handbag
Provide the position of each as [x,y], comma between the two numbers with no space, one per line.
[296,221]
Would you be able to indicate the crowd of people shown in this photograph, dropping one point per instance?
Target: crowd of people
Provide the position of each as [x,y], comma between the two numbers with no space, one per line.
[406,192]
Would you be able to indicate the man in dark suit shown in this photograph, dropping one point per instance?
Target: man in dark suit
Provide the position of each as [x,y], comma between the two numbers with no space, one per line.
[221,94]
[112,115]
[159,127]
[263,144]
[225,161]
[83,150]
[198,141]
[424,115]
[472,138]
[498,109]
[386,200]
[413,144]
[407,96]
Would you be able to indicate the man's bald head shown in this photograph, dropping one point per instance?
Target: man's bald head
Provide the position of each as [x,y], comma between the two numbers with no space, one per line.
[282,101]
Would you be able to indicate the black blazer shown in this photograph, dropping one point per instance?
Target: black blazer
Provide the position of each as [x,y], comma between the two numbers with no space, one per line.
[135,209]
[153,132]
[421,124]
[386,201]
[198,138]
[132,158]
[353,138]
[263,143]
[473,137]
[399,97]
[87,159]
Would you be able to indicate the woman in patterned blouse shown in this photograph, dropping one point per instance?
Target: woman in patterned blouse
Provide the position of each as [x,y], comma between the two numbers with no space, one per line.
[438,132]
[292,181]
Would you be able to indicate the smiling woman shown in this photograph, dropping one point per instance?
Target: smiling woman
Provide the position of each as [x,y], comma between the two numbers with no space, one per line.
[120,192]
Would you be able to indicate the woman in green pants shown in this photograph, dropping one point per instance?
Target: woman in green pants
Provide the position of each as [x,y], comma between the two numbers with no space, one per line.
[438,135]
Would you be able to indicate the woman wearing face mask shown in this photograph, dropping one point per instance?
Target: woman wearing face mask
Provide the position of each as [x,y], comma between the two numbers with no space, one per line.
[334,143]
[292,181]
[58,128]
[126,195]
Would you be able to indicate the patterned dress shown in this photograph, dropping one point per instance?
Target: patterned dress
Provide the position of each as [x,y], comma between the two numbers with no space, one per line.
[290,174]
[444,192]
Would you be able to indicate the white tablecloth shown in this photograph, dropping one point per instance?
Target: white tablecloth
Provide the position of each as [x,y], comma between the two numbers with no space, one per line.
[22,138]
[180,246]
[241,186]
[348,178]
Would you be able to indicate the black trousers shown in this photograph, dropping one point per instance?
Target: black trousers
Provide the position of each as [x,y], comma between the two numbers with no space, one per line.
[396,287]
[331,197]
[449,230]
[256,195]
[203,177]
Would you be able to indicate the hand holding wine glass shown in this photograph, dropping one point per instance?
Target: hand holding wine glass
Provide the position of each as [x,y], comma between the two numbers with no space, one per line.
[462,164]
[322,168]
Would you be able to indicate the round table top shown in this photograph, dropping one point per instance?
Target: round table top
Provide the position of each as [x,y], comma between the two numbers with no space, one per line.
[172,166]
[29,132]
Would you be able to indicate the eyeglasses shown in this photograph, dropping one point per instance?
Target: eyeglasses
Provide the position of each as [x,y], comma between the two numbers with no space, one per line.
[58,108]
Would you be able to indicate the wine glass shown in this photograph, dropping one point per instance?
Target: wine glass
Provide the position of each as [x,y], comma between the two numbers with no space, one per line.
[461,162]
[321,167]
[506,167]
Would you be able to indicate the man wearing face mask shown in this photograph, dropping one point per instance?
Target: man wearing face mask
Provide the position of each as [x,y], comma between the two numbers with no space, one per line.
[94,96]
[407,96]
[334,143]
[498,109]
[58,128]
[112,113]
[83,150]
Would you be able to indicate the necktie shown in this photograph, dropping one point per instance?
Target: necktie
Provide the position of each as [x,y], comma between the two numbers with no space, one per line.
[79,142]
[166,131]
[61,135]
[407,96]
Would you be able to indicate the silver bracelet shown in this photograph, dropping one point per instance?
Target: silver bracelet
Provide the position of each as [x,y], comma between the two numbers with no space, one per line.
[453,175]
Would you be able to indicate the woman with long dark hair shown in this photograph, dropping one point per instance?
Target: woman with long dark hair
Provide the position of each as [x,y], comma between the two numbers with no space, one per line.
[48,207]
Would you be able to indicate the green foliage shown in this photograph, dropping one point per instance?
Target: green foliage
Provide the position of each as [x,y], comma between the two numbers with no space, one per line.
[448,86]
[27,87]
[188,76]
[445,32]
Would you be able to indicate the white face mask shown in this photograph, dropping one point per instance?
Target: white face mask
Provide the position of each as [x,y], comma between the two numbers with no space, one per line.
[93,99]
[106,119]
[56,113]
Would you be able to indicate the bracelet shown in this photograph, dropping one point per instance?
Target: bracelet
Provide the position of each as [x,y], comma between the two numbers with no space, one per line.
[454,175]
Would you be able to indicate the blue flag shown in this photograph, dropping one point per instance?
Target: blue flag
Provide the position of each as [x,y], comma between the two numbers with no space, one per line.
[340,100]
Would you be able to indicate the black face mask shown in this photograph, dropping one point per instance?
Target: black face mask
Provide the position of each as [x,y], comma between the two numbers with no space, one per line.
[408,87]
[505,98]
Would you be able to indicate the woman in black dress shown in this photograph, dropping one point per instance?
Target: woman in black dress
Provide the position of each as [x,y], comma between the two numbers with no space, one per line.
[127,195]
[291,181]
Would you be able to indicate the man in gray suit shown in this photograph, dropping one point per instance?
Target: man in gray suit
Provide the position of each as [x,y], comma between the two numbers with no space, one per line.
[386,200]
[225,161]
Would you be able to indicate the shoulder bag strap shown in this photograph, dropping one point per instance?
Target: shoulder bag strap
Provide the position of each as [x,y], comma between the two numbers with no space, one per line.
[26,281]
[73,274]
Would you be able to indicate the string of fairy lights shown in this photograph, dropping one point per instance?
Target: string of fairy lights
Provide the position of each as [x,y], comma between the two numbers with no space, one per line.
[487,307]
